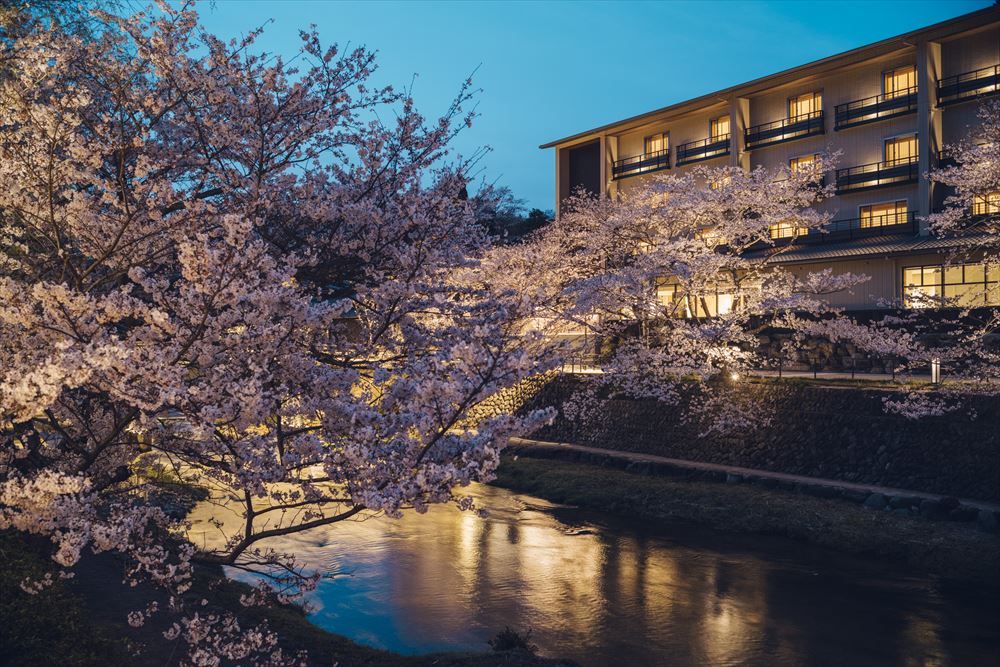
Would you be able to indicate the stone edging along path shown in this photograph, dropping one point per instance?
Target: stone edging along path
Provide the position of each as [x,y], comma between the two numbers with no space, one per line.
[873,496]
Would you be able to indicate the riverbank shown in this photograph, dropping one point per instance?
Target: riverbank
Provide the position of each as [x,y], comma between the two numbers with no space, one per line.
[82,621]
[949,550]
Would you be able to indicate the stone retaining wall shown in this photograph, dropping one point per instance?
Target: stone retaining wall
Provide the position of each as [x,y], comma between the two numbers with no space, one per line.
[831,432]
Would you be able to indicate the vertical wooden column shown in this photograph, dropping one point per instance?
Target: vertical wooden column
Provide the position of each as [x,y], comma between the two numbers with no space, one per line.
[610,154]
[928,123]
[739,120]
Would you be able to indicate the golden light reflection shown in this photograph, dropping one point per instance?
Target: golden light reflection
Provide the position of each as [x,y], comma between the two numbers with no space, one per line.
[448,580]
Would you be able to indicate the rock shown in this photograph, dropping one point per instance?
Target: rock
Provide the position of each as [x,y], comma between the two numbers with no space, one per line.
[963,514]
[948,503]
[930,509]
[854,496]
[901,511]
[876,501]
[987,520]
[897,502]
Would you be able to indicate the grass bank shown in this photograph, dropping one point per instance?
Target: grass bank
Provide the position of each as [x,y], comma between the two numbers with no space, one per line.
[948,549]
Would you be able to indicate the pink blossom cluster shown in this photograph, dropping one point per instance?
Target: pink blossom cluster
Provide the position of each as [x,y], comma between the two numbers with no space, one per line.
[254,274]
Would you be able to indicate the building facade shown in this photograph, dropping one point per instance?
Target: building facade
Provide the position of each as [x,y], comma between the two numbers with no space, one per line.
[888,108]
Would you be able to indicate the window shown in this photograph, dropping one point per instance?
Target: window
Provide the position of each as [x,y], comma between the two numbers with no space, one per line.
[786,230]
[655,143]
[900,150]
[802,162]
[718,127]
[964,285]
[809,104]
[717,299]
[711,237]
[722,182]
[988,203]
[900,81]
[879,215]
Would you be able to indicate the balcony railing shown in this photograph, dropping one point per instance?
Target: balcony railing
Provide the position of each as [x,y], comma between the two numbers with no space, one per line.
[705,149]
[641,164]
[968,85]
[786,129]
[877,175]
[872,109]
[838,231]
[945,160]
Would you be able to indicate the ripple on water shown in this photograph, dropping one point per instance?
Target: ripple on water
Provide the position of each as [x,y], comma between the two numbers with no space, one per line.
[605,591]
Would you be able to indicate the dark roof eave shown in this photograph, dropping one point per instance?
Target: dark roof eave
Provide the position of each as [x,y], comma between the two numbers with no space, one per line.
[860,53]
[877,247]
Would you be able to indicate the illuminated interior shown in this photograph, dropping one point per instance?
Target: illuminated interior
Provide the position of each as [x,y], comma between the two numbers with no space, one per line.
[964,285]
[785,230]
[901,149]
[802,162]
[886,213]
[718,127]
[805,105]
[712,302]
[986,204]
[900,81]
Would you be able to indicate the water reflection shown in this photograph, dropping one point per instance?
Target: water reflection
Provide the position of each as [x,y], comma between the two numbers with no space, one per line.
[608,592]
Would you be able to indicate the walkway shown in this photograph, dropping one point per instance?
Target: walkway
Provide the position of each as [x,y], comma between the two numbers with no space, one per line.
[587,369]
[818,482]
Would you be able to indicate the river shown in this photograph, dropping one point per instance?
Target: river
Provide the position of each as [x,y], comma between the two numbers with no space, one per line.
[604,590]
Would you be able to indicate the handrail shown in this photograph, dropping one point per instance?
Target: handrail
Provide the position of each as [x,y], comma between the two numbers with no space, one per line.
[877,174]
[848,229]
[875,108]
[968,85]
[875,222]
[642,163]
[703,149]
[785,129]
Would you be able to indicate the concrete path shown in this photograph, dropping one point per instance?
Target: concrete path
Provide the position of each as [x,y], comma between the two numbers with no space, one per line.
[752,472]
[584,369]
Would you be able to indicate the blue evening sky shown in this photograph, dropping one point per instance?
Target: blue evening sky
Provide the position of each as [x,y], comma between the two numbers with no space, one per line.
[551,69]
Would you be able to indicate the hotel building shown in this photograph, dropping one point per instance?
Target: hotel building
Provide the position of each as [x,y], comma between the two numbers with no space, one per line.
[888,108]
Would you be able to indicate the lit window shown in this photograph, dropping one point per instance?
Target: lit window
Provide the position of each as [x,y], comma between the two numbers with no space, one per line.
[802,162]
[988,203]
[725,180]
[964,285]
[654,149]
[786,230]
[900,150]
[879,215]
[710,236]
[659,199]
[809,104]
[901,81]
[655,143]
[717,299]
[718,127]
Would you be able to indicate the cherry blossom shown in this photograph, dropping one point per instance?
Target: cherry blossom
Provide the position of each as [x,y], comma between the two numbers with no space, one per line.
[253,274]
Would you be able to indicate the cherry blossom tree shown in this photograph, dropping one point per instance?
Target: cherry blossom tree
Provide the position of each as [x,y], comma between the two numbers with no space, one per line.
[246,271]
[677,277]
[955,332]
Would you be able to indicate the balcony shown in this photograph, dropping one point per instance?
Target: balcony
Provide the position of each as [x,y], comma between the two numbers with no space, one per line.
[968,85]
[641,164]
[877,175]
[840,231]
[786,129]
[705,149]
[873,109]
